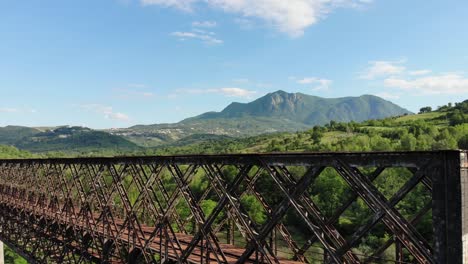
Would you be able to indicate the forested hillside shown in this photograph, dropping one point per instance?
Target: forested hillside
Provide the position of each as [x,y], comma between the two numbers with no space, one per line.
[9,135]
[275,112]
[73,140]
[444,128]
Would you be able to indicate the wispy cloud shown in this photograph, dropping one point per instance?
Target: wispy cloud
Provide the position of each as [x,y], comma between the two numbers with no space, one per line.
[319,84]
[137,85]
[129,94]
[387,95]
[106,112]
[252,83]
[244,23]
[420,72]
[204,24]
[378,69]
[17,110]
[123,93]
[185,5]
[8,110]
[291,17]
[448,83]
[395,74]
[205,37]
[133,91]
[228,92]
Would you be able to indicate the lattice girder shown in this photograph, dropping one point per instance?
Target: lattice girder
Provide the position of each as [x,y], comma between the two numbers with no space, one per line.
[153,209]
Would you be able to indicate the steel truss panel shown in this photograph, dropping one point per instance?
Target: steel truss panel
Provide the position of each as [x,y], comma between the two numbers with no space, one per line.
[193,209]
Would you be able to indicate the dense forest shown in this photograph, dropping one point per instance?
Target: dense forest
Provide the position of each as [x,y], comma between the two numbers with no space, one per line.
[441,129]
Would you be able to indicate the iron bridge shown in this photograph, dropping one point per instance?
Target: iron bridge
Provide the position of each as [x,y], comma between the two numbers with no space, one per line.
[252,208]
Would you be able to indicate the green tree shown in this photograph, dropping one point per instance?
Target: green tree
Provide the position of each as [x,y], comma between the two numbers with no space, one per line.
[316,135]
[379,143]
[463,142]
[254,208]
[426,109]
[408,142]
[457,117]
[445,140]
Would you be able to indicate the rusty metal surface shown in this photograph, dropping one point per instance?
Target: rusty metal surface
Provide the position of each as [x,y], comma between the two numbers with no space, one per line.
[154,209]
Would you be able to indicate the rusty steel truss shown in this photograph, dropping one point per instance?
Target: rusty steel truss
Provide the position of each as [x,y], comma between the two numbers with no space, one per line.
[198,209]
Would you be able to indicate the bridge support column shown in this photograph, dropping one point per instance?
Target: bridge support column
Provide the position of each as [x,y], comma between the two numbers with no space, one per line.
[464,181]
[2,257]
[450,208]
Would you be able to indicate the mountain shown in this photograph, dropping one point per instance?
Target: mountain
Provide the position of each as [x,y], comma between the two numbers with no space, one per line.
[309,110]
[74,139]
[275,112]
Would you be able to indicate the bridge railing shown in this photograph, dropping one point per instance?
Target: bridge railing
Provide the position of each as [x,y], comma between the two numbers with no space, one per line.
[401,207]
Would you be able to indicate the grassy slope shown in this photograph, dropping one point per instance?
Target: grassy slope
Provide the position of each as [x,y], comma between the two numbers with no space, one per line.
[424,116]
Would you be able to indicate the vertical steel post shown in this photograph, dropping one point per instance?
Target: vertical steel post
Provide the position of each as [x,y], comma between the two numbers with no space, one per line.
[450,208]
[2,257]
[464,183]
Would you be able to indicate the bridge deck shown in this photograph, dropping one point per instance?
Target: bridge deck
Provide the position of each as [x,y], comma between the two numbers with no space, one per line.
[198,255]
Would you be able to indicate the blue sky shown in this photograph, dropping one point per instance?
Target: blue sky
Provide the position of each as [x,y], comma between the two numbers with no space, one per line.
[116,63]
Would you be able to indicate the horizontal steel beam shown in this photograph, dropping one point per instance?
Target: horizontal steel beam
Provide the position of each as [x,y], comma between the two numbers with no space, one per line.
[391,159]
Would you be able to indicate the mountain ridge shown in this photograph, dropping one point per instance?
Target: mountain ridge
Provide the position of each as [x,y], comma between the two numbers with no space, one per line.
[275,112]
[305,108]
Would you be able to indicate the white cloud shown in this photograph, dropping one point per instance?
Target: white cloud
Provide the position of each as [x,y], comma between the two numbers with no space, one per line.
[17,110]
[252,83]
[420,72]
[449,83]
[320,83]
[382,69]
[173,95]
[245,23]
[130,94]
[106,111]
[263,85]
[237,92]
[133,91]
[387,95]
[8,110]
[118,116]
[228,92]
[204,32]
[207,38]
[137,85]
[204,24]
[394,74]
[288,16]
[185,5]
